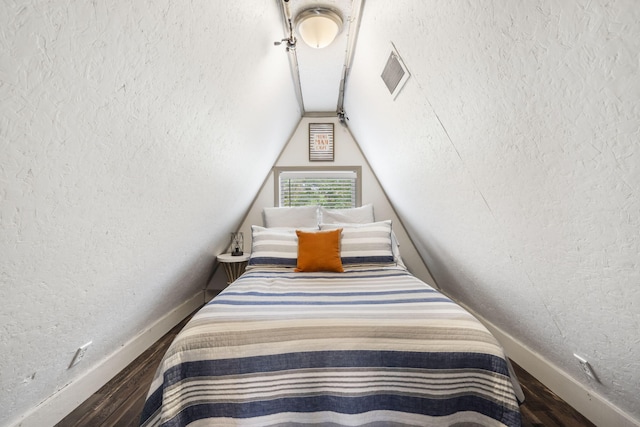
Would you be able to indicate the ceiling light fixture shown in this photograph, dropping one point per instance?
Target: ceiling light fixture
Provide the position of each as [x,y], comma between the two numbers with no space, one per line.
[318,26]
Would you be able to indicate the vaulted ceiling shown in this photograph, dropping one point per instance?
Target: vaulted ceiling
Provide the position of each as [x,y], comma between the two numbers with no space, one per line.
[134,137]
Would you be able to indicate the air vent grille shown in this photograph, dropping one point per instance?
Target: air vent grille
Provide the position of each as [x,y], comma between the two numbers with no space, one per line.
[395,74]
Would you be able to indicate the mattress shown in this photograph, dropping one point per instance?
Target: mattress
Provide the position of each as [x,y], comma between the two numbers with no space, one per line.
[370,346]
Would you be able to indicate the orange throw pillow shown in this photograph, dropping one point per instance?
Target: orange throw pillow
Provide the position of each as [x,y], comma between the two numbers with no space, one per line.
[319,251]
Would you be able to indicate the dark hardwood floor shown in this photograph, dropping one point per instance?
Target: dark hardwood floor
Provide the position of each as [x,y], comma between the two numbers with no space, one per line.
[542,407]
[119,403]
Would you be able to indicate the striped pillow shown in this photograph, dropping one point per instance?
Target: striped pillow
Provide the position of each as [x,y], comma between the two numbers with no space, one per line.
[273,247]
[364,244]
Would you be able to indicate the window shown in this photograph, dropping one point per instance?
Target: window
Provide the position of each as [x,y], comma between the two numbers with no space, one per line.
[332,187]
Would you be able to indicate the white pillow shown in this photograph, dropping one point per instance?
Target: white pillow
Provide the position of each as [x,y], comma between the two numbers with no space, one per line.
[303,216]
[361,215]
[365,244]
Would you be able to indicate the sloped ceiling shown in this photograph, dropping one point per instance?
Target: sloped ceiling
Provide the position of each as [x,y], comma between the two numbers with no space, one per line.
[128,141]
[512,157]
[134,137]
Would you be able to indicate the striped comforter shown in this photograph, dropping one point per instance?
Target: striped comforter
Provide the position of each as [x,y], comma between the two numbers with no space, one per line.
[374,347]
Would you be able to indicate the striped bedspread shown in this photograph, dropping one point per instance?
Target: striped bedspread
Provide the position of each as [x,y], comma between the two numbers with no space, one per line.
[374,347]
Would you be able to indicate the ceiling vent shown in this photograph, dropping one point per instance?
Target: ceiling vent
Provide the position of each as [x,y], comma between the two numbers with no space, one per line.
[395,73]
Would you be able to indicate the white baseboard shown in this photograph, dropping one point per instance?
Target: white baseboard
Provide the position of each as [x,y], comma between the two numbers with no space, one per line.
[593,406]
[64,401]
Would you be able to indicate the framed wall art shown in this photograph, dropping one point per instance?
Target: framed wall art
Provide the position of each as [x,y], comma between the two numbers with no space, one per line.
[321,142]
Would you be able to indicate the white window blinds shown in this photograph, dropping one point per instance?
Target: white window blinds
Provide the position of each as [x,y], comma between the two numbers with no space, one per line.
[332,189]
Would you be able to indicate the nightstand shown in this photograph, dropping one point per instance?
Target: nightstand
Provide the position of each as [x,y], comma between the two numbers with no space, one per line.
[233,265]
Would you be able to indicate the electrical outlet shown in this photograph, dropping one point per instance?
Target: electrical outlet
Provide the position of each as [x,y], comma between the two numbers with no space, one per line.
[80,352]
[586,367]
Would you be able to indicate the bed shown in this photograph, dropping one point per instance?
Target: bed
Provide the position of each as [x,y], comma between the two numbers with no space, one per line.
[364,344]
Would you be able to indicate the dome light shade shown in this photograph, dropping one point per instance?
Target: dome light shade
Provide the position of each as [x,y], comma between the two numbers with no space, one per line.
[318,27]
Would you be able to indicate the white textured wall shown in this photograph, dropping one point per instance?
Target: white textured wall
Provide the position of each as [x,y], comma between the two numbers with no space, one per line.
[512,156]
[128,133]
